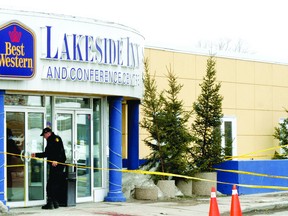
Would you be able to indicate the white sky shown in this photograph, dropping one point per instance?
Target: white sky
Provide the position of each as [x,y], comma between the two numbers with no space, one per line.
[180,24]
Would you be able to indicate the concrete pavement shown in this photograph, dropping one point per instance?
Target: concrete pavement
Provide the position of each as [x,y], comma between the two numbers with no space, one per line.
[173,207]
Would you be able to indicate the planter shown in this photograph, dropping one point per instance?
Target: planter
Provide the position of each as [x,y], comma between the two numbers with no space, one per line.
[167,187]
[204,187]
[185,187]
[146,193]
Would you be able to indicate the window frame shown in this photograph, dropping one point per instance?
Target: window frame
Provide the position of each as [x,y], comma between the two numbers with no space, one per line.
[231,119]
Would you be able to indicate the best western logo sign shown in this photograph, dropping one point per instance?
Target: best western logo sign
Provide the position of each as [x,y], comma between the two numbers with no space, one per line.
[17,51]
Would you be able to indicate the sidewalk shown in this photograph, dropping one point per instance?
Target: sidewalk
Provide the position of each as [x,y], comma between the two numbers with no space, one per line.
[174,207]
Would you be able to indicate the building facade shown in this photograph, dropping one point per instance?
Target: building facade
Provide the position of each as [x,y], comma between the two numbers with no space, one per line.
[254,103]
[254,92]
[74,75]
[83,78]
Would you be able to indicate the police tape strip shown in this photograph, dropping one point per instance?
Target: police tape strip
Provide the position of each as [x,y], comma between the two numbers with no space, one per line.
[228,158]
[251,173]
[144,172]
[252,154]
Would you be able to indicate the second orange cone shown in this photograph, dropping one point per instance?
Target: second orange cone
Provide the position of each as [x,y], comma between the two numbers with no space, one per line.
[214,210]
[235,203]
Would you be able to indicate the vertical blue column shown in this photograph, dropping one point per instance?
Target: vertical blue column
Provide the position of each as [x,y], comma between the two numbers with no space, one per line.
[115,193]
[2,156]
[133,134]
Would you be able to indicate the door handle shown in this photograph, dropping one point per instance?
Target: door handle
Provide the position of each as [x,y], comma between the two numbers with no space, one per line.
[25,156]
[21,156]
[75,155]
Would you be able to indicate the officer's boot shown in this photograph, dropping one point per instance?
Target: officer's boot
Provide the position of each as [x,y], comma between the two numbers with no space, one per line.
[55,204]
[49,204]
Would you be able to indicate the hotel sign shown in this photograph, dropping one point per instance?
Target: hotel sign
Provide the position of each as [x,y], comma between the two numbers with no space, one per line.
[17,51]
[106,60]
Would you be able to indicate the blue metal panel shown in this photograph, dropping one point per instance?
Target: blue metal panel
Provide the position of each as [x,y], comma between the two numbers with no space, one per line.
[227,177]
[265,167]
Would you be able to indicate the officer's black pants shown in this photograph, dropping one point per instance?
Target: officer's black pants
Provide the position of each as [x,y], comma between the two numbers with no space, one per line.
[54,181]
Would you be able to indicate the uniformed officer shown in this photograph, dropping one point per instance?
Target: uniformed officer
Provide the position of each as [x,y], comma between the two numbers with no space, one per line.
[55,153]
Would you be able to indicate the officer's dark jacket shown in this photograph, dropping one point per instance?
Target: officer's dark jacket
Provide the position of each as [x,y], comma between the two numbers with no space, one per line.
[54,151]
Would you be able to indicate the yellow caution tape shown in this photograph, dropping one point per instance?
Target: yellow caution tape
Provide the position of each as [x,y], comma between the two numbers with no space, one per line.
[252,173]
[251,154]
[143,172]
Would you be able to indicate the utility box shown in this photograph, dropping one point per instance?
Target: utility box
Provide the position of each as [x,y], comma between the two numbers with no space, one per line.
[67,193]
[71,189]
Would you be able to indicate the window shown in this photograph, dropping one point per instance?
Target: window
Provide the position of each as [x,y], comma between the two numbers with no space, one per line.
[281,150]
[229,142]
[24,100]
[70,102]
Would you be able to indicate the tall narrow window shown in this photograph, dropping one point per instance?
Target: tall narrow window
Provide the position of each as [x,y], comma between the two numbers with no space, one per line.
[281,150]
[228,129]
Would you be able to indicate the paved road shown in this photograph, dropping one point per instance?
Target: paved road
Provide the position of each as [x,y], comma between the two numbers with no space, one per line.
[277,212]
[250,205]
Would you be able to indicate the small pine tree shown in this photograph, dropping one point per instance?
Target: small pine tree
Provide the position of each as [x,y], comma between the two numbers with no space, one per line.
[166,121]
[177,137]
[207,150]
[152,105]
[281,133]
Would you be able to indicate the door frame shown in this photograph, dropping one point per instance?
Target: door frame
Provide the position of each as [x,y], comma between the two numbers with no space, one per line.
[26,202]
[74,113]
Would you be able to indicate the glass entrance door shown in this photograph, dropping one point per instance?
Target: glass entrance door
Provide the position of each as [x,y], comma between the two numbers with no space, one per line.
[24,177]
[75,130]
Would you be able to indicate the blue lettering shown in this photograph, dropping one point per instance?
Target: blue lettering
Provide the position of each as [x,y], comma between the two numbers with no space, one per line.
[98,48]
[133,79]
[128,52]
[105,50]
[79,74]
[91,74]
[112,50]
[64,73]
[123,78]
[48,52]
[72,72]
[86,74]
[137,80]
[88,48]
[76,47]
[106,76]
[119,56]
[49,73]
[115,77]
[101,76]
[128,78]
[56,73]
[97,75]
[119,77]
[110,75]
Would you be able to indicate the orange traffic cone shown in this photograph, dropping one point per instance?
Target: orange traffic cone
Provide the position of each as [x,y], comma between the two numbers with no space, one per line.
[235,204]
[213,211]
